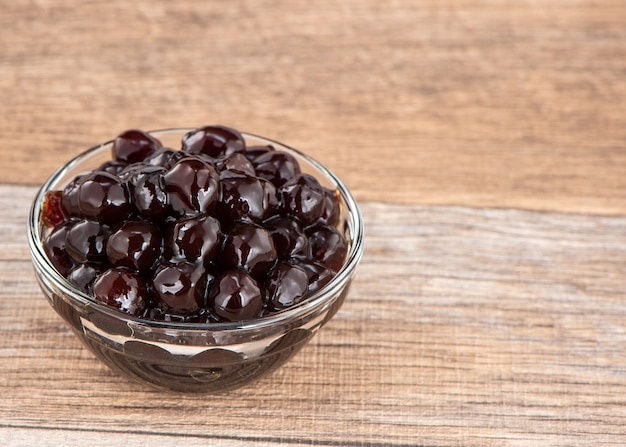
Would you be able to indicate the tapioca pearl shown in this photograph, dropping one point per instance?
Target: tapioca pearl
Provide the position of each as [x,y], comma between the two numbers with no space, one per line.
[135,245]
[193,239]
[328,246]
[193,186]
[102,197]
[248,247]
[286,285]
[86,241]
[122,290]
[303,199]
[214,141]
[277,166]
[181,286]
[134,146]
[236,296]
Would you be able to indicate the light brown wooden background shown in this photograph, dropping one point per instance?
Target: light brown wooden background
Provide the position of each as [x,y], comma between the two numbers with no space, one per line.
[486,142]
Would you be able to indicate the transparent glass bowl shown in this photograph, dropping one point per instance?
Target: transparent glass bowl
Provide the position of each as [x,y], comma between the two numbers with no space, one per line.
[212,357]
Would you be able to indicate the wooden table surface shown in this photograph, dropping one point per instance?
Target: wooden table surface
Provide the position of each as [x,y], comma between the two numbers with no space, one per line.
[485,142]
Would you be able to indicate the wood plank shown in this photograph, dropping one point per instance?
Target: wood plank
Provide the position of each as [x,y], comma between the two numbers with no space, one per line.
[482,103]
[44,437]
[464,327]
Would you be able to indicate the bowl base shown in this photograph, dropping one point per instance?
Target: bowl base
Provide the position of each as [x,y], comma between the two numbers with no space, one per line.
[218,372]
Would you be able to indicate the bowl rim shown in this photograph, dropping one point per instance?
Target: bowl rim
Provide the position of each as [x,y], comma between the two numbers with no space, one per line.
[310,304]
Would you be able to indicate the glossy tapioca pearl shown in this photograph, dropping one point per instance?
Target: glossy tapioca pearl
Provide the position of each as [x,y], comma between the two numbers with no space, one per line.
[54,246]
[179,155]
[319,275]
[302,198]
[86,241]
[149,196]
[235,164]
[160,157]
[167,314]
[133,146]
[289,239]
[129,170]
[214,141]
[286,285]
[276,166]
[112,166]
[249,247]
[328,247]
[332,209]
[103,197]
[193,239]
[193,186]
[243,197]
[253,152]
[135,245]
[69,198]
[181,286]
[235,296]
[122,290]
[83,276]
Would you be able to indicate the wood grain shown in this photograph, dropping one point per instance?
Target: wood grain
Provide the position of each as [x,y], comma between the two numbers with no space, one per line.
[464,327]
[486,143]
[481,103]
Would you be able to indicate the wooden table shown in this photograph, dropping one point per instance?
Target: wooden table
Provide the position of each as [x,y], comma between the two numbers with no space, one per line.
[486,144]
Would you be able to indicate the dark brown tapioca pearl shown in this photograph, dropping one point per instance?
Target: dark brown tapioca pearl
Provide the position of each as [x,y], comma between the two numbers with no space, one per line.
[285,286]
[54,246]
[319,275]
[69,198]
[134,145]
[236,163]
[86,242]
[83,276]
[253,152]
[135,245]
[328,246]
[169,315]
[130,171]
[302,198]
[181,286]
[193,186]
[160,157]
[276,166]
[194,239]
[243,197]
[160,313]
[179,155]
[149,197]
[271,198]
[122,290]
[289,239]
[112,166]
[332,210]
[101,196]
[214,141]
[235,296]
[249,247]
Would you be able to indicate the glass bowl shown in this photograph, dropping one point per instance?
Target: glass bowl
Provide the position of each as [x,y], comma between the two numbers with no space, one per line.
[189,357]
